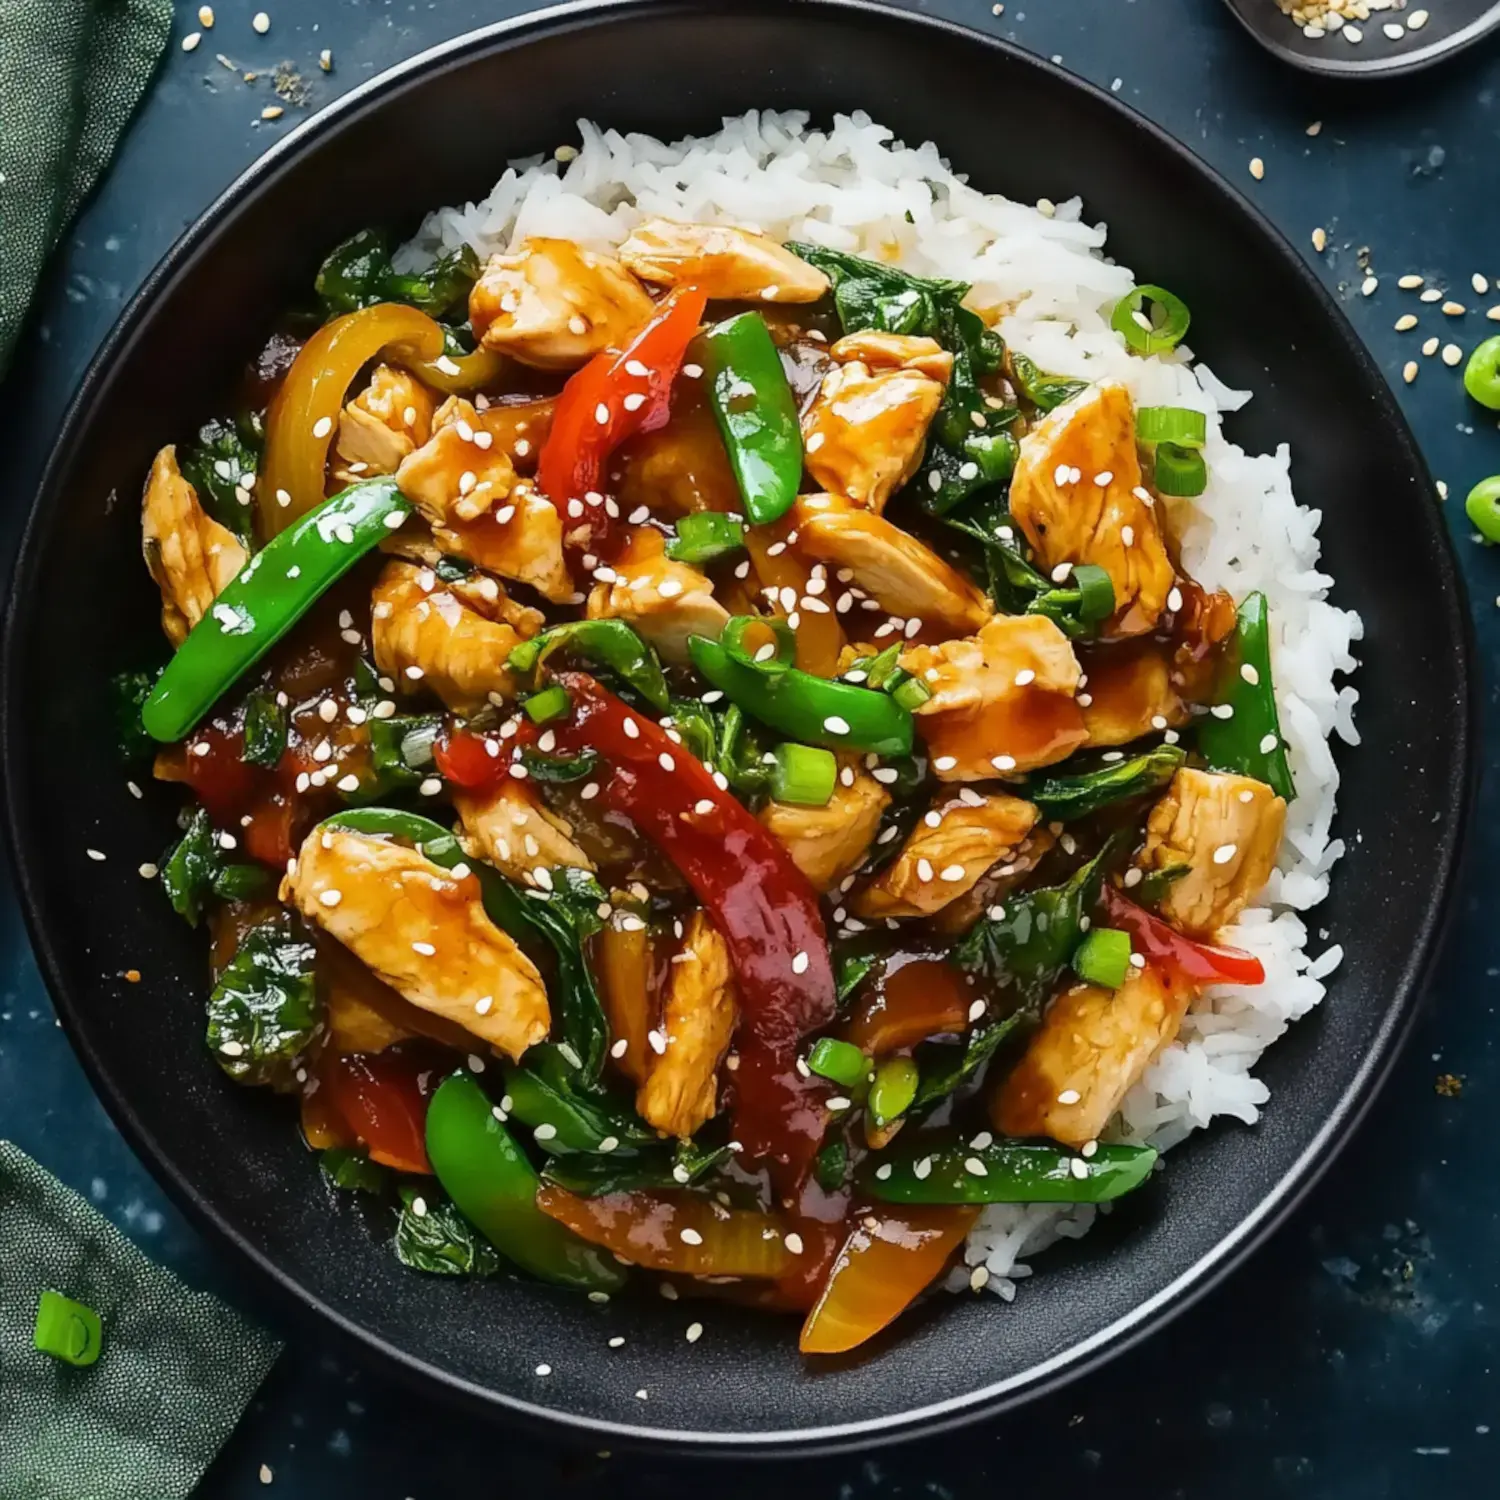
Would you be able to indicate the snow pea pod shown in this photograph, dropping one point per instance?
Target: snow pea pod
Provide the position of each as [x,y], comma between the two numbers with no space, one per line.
[494,1186]
[267,597]
[756,413]
[923,1171]
[1243,733]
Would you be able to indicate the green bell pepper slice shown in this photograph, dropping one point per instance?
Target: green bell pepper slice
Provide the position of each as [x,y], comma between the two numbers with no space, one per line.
[489,1178]
[922,1171]
[756,413]
[266,598]
[812,710]
[1248,739]
[606,643]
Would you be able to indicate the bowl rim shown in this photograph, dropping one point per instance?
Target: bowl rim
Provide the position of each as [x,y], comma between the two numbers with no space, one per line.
[1192,1282]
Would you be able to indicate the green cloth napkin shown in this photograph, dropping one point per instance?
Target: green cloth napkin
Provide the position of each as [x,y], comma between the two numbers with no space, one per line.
[71,74]
[177,1369]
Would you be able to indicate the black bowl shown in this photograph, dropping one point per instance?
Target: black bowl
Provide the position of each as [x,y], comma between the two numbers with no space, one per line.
[437,130]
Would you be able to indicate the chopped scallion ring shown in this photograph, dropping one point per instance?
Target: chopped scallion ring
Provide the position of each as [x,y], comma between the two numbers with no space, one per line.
[912,692]
[1170,424]
[1096,593]
[1151,320]
[68,1330]
[551,703]
[839,1062]
[804,775]
[1103,957]
[769,632]
[1180,471]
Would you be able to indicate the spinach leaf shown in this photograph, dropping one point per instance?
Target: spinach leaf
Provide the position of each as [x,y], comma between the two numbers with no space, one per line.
[968,447]
[946,1066]
[1064,798]
[1031,944]
[558,769]
[265,729]
[241,882]
[831,1165]
[400,755]
[189,871]
[657,1168]
[217,466]
[128,691]
[263,1011]
[851,967]
[547,1091]
[359,273]
[353,1171]
[1151,890]
[724,740]
[1043,391]
[432,1236]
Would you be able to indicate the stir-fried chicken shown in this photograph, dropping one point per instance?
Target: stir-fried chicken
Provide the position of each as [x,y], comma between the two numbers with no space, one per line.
[364,1014]
[510,828]
[1002,700]
[449,638]
[1091,1048]
[1128,694]
[390,418]
[728,263]
[191,557]
[554,305]
[423,931]
[995,884]
[517,428]
[946,855]
[892,566]
[697,1021]
[828,843]
[1223,832]
[665,601]
[1077,494]
[865,434]
[459,473]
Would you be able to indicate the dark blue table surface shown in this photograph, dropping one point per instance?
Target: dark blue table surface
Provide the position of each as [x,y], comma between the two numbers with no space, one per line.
[1354,1355]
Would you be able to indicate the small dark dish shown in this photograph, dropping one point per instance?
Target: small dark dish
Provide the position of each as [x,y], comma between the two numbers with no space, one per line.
[438,130]
[1452,25]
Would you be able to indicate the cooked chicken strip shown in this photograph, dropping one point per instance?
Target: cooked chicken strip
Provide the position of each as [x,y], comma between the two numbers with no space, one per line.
[511,829]
[364,1014]
[666,601]
[459,473]
[895,351]
[865,434]
[452,638]
[1002,700]
[554,305]
[995,885]
[1077,495]
[734,265]
[894,568]
[948,852]
[422,931]
[828,843]
[1129,693]
[191,557]
[388,419]
[680,1093]
[1227,831]
[1091,1048]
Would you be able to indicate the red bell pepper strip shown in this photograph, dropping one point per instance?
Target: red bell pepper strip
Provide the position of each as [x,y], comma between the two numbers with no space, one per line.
[607,401]
[1179,957]
[759,900]
[463,760]
[382,1097]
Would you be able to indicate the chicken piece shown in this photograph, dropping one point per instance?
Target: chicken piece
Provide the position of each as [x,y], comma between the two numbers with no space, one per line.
[680,468]
[1002,700]
[1128,694]
[519,429]
[903,576]
[1077,495]
[828,843]
[554,305]
[389,418]
[731,265]
[680,1094]
[948,852]
[364,1014]
[865,434]
[453,638]
[423,931]
[665,601]
[191,557]
[896,351]
[1090,1050]
[992,888]
[511,829]
[1227,831]
[478,509]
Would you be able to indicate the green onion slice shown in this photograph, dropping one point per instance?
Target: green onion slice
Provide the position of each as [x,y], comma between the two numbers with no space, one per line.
[1103,957]
[549,704]
[68,1330]
[893,1089]
[780,658]
[1096,593]
[705,537]
[1170,424]
[1151,320]
[839,1062]
[803,774]
[912,692]
[1180,471]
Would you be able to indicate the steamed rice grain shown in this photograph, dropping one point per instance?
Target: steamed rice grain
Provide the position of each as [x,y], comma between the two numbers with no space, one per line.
[1042,271]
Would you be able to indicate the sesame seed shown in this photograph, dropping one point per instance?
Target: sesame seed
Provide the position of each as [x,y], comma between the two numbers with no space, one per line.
[483,1003]
[1025,677]
[322,427]
[1481,284]
[1079,1168]
[665,761]
[1257,168]
[261,22]
[838,1104]
[1454,309]
[266,1474]
[922,1170]
[1174,600]
[1248,672]
[96,855]
[1393,31]
[1452,355]
[1003,762]
[800,963]
[975,1168]
[1406,322]
[1222,710]
[1267,744]
[1409,371]
[1432,294]
[1224,853]
[601,414]
[1069,1096]
[331,898]
[1320,239]
[1369,286]
[191,40]
[1409,283]
[272,112]
[835,725]
[793,1243]
[544,1369]
[622,1046]
[924,869]
[945,763]
[419,1207]
[1430,346]
[425,949]
[691,1237]
[1416,20]
[1061,572]
[952,873]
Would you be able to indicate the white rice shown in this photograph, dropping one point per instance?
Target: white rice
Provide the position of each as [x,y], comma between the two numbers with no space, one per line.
[855,188]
